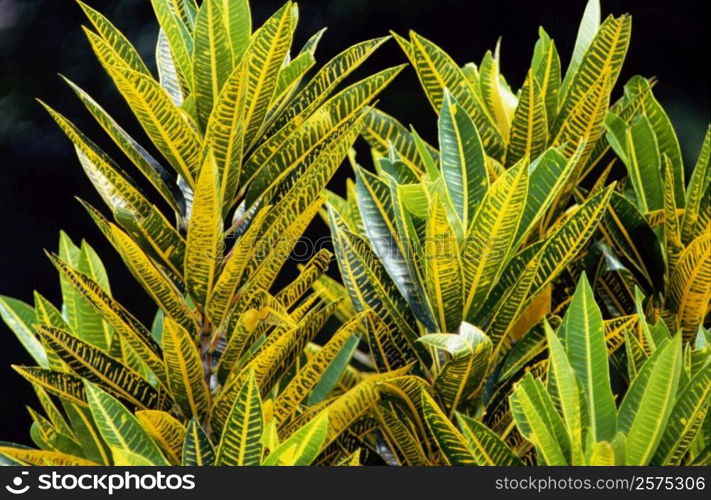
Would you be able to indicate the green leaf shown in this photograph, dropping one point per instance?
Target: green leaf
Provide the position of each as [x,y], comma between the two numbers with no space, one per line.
[641,88]
[527,348]
[491,235]
[306,379]
[384,132]
[462,159]
[115,39]
[290,76]
[462,376]
[318,90]
[53,413]
[601,62]
[685,420]
[529,128]
[459,345]
[90,326]
[536,419]
[63,385]
[129,443]
[211,57]
[20,317]
[546,69]
[302,447]
[376,208]
[589,25]
[584,336]
[93,446]
[153,279]
[336,370]
[48,314]
[184,369]
[549,174]
[437,71]
[47,436]
[494,92]
[163,122]
[197,449]
[128,327]
[443,269]
[166,430]
[486,446]
[89,362]
[179,39]
[564,387]
[264,57]
[649,401]
[453,445]
[225,134]
[644,165]
[238,19]
[240,443]
[159,177]
[79,314]
[632,236]
[692,221]
[368,284]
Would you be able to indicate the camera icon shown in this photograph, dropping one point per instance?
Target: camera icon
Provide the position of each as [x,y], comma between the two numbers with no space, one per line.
[16,487]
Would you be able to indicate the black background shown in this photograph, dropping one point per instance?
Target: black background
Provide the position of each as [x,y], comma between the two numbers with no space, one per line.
[39,173]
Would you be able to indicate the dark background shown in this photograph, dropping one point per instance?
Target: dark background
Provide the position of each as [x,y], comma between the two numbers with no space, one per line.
[39,173]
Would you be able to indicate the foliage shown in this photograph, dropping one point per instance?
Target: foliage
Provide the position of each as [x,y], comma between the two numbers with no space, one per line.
[572,419]
[249,145]
[469,253]
[534,290]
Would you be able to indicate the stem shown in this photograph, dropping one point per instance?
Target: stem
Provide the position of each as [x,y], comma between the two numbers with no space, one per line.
[207,364]
[206,352]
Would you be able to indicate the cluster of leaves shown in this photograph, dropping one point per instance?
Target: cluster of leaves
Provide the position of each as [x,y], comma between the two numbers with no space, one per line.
[499,293]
